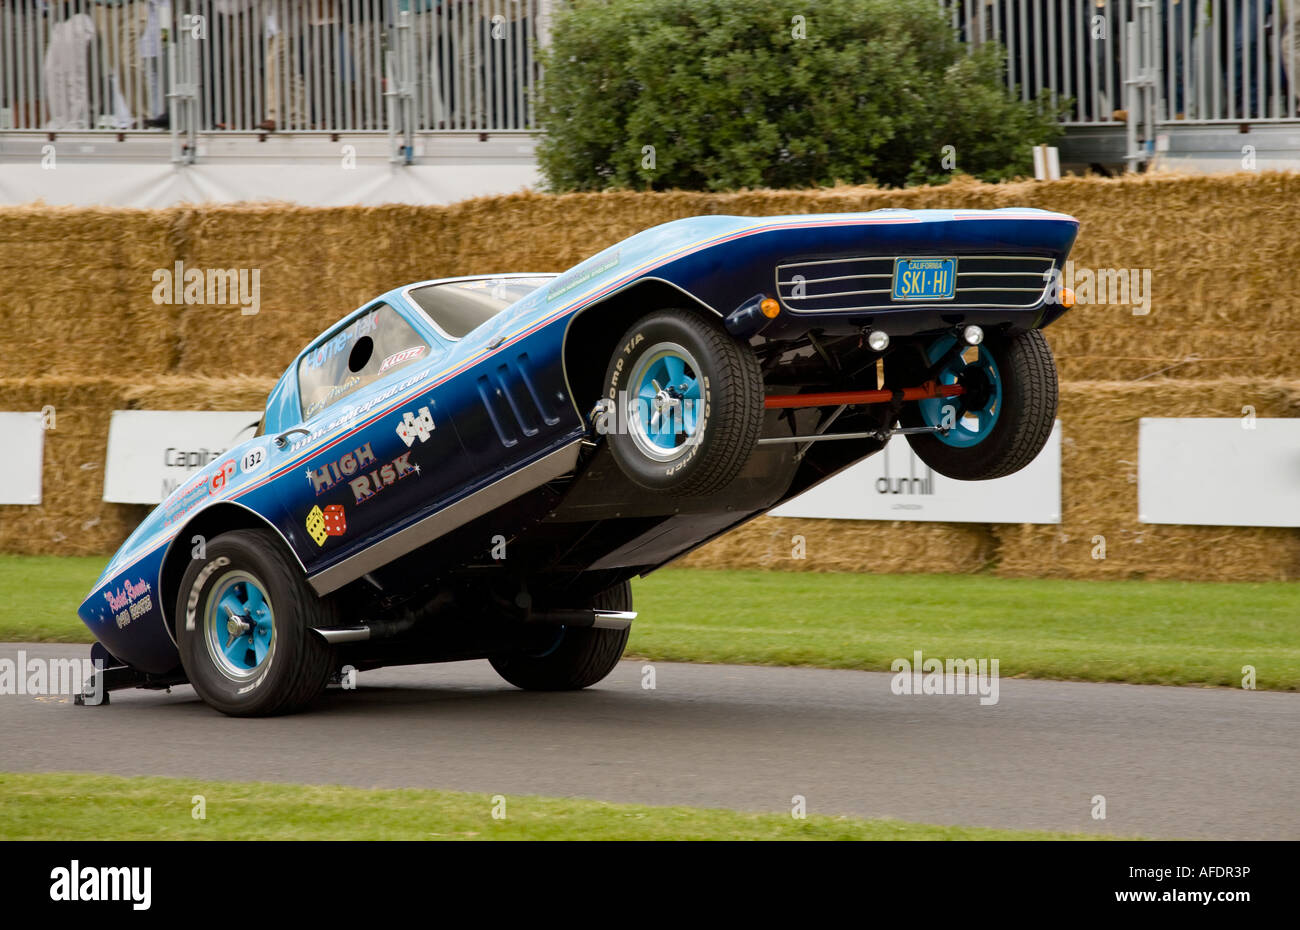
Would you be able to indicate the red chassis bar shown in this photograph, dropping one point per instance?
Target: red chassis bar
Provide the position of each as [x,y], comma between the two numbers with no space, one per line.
[927,391]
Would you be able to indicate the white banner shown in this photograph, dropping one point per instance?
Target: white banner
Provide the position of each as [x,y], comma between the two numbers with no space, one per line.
[150,452]
[1239,471]
[156,184]
[895,485]
[20,466]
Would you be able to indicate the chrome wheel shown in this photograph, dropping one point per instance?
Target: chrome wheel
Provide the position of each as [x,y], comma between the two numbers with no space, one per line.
[239,626]
[968,419]
[663,403]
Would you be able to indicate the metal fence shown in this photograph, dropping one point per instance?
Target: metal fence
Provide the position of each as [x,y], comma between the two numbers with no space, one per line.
[1199,61]
[407,66]
[301,65]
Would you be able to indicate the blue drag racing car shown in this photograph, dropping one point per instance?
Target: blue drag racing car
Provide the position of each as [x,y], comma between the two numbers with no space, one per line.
[476,467]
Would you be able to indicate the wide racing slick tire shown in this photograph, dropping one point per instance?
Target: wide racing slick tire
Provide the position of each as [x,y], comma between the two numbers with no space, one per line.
[1002,421]
[683,403]
[579,656]
[244,618]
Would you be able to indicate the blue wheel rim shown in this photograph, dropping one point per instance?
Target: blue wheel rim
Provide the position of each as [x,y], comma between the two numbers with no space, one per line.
[664,403]
[969,425]
[239,625]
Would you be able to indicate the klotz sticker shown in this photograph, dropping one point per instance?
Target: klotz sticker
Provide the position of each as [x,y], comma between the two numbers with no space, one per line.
[404,356]
[413,427]
[316,526]
[253,459]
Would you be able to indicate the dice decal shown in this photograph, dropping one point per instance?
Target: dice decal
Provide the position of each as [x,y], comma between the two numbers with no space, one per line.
[322,524]
[413,427]
[336,522]
[316,526]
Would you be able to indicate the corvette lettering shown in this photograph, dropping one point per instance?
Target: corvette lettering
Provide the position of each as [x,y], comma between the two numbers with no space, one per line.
[572,279]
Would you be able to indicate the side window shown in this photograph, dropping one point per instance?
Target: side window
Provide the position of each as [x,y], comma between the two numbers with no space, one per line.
[459,307]
[372,346]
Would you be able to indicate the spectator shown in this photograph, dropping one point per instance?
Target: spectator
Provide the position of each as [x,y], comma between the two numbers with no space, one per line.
[67,72]
[506,60]
[1180,27]
[119,24]
[231,54]
[152,41]
[282,82]
[431,54]
[1247,47]
[343,39]
[1289,49]
[490,46]
[364,65]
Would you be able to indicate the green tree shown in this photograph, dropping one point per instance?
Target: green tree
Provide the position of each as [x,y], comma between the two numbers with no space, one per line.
[752,93]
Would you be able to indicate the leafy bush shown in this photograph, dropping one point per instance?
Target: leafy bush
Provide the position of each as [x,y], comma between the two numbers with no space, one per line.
[730,96]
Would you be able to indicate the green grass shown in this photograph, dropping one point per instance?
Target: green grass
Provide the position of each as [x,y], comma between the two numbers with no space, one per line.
[40,594]
[83,807]
[1155,632]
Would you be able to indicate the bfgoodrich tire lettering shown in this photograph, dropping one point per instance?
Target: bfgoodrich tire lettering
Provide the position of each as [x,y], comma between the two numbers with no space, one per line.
[719,403]
[278,665]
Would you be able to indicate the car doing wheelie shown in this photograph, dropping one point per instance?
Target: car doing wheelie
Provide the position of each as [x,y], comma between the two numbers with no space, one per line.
[477,467]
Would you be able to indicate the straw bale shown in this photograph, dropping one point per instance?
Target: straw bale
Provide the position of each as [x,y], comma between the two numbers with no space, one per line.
[84,333]
[72,518]
[1099,499]
[1216,248]
[805,545]
[75,290]
[1099,491]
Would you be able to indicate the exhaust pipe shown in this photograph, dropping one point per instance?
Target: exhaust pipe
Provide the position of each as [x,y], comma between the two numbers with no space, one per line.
[593,617]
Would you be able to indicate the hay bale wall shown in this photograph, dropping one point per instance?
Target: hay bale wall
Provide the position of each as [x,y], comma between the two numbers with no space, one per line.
[1099,455]
[85,334]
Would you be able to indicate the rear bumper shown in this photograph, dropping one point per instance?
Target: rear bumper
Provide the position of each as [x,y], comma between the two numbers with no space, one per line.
[842,267]
[900,322]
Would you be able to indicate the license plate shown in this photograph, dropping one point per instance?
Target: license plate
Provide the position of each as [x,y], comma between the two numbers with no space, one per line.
[924,278]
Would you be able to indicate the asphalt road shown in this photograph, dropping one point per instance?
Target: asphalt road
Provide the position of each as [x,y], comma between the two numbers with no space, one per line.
[1171,762]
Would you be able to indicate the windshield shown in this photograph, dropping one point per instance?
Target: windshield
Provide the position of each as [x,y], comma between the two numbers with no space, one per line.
[460,307]
[372,346]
